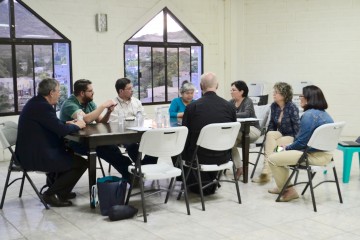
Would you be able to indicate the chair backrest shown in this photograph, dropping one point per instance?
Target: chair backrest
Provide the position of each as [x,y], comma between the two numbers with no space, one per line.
[326,137]
[8,134]
[255,89]
[163,142]
[218,136]
[263,113]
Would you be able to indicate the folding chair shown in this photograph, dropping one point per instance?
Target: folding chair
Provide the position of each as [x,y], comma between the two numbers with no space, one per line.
[216,137]
[165,143]
[262,113]
[8,134]
[324,138]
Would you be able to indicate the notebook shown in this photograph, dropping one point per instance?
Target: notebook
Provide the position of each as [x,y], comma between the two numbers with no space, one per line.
[349,144]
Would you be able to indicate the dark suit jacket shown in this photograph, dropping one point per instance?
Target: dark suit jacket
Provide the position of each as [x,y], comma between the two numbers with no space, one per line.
[208,109]
[40,144]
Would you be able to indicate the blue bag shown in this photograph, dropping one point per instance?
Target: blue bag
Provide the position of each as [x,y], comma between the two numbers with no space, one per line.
[111,192]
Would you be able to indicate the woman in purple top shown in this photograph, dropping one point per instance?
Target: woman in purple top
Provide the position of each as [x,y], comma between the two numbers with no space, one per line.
[178,105]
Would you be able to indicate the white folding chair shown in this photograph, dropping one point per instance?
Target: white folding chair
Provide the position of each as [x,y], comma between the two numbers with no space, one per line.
[216,137]
[8,135]
[262,113]
[324,138]
[165,143]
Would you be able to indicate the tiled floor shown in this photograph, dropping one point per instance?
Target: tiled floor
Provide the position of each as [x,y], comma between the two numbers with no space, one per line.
[258,217]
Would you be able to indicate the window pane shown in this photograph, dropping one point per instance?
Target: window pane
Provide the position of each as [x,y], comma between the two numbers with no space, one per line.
[29,26]
[196,56]
[175,33]
[184,64]
[62,70]
[145,80]
[131,66]
[6,80]
[43,62]
[4,19]
[153,31]
[158,74]
[172,73]
[24,70]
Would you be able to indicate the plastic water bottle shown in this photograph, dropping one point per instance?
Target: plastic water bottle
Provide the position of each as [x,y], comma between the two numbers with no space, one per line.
[139,119]
[121,118]
[166,118]
[158,118]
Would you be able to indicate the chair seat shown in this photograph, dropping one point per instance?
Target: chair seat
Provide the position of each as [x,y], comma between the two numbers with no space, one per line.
[214,167]
[157,171]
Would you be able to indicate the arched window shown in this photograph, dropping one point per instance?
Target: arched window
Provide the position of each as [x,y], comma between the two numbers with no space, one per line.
[31,49]
[160,56]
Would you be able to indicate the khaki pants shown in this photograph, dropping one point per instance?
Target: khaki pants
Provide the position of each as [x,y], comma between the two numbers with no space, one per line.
[278,162]
[254,134]
[273,139]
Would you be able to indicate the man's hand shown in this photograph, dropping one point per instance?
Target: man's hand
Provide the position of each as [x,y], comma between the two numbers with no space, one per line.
[80,123]
[109,103]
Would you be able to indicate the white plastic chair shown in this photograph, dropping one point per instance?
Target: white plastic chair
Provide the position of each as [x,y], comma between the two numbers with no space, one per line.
[216,137]
[8,135]
[324,138]
[262,113]
[165,143]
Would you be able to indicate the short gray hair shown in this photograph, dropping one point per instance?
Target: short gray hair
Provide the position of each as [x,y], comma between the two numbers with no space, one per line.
[187,86]
[46,86]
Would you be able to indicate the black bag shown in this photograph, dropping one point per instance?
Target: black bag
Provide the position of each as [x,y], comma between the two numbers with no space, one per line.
[111,192]
[119,212]
[358,140]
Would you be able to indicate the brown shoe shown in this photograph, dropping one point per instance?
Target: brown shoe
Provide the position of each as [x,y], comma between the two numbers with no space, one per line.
[274,191]
[289,196]
[263,178]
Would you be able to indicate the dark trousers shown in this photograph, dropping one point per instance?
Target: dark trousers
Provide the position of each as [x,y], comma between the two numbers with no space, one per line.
[133,151]
[110,153]
[62,183]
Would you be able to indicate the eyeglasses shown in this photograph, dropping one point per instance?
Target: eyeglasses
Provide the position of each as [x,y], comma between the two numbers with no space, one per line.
[128,89]
[234,90]
[301,96]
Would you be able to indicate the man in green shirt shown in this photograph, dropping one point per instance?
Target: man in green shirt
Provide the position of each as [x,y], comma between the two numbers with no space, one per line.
[80,105]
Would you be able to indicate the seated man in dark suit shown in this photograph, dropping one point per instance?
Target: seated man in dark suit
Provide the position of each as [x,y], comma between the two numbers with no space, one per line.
[210,108]
[40,145]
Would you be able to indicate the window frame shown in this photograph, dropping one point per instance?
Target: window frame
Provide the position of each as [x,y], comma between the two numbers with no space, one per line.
[13,41]
[165,45]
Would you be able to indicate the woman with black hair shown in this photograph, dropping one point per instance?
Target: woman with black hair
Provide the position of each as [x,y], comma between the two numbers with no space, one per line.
[314,104]
[244,109]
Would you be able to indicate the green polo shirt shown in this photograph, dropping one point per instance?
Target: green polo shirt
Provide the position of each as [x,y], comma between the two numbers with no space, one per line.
[72,105]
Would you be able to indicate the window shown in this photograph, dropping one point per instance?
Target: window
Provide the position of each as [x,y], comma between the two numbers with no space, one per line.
[31,50]
[160,56]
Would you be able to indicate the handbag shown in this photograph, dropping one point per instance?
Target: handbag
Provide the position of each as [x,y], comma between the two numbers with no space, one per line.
[111,191]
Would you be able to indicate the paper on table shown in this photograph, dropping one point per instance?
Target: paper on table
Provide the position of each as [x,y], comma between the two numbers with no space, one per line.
[247,119]
[139,129]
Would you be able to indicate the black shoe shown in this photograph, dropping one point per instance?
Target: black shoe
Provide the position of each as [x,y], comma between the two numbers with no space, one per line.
[70,195]
[55,201]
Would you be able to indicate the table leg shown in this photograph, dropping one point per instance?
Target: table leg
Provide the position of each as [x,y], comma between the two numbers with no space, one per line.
[92,173]
[245,150]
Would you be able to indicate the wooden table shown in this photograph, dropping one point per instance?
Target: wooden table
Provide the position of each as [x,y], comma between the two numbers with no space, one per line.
[245,144]
[94,135]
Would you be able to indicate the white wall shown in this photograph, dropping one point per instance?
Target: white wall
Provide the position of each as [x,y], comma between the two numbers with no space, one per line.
[302,40]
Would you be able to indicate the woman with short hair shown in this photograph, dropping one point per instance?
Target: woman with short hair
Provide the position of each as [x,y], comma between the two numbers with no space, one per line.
[178,105]
[244,109]
[314,104]
[283,125]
